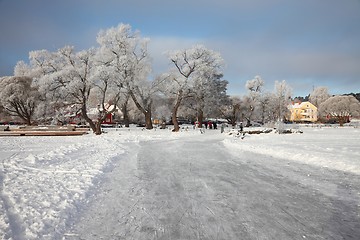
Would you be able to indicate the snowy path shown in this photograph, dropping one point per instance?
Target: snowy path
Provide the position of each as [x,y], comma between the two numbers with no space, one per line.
[195,188]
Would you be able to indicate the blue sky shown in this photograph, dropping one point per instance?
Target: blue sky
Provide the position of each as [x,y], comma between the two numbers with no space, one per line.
[307,43]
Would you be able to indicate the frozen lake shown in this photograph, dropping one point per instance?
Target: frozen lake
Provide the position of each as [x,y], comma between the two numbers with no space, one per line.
[134,184]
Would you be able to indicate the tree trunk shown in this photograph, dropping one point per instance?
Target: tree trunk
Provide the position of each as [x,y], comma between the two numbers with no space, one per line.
[341,120]
[27,117]
[125,112]
[249,117]
[89,121]
[28,121]
[248,122]
[146,112]
[263,114]
[200,117]
[234,117]
[175,121]
[148,121]
[98,128]
[175,110]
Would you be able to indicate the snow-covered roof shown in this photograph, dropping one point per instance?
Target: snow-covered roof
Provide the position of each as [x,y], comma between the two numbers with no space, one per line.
[108,107]
[301,105]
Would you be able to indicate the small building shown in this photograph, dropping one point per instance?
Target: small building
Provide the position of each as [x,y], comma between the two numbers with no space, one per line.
[303,112]
[111,118]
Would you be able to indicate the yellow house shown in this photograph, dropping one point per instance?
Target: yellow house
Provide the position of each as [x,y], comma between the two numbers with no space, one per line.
[303,112]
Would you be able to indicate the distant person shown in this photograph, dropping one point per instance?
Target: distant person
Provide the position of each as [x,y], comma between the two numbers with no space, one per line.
[241,127]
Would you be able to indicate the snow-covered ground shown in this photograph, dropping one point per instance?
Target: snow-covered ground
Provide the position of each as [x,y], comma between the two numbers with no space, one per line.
[328,147]
[46,181]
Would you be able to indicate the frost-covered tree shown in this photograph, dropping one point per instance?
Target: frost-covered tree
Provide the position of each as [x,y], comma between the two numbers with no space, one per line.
[218,98]
[206,98]
[108,92]
[247,109]
[341,108]
[194,70]
[264,106]
[71,77]
[282,98]
[126,51]
[42,64]
[319,95]
[252,100]
[255,85]
[175,88]
[19,98]
[231,110]
[22,70]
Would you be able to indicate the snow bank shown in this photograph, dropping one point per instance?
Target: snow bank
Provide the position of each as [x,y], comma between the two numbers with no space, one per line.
[333,148]
[44,177]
